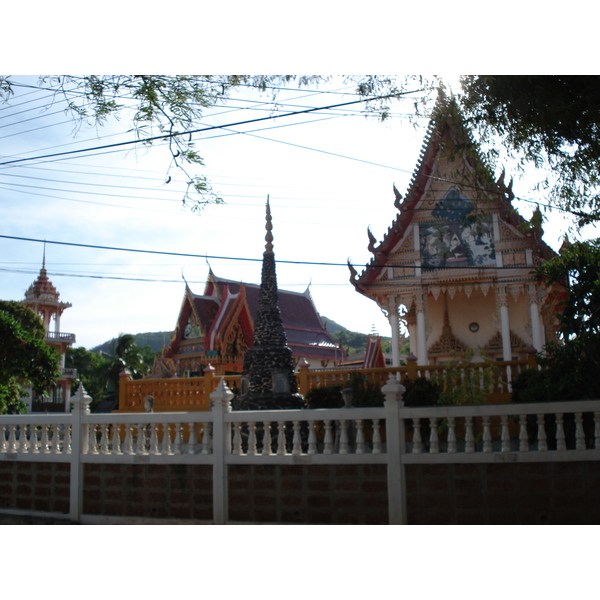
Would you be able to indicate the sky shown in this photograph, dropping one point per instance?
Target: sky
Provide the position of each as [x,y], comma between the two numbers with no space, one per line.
[329,176]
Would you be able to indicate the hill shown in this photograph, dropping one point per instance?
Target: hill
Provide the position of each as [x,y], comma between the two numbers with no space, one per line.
[352,342]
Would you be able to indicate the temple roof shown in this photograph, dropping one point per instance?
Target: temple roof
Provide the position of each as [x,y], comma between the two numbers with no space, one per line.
[448,137]
[305,332]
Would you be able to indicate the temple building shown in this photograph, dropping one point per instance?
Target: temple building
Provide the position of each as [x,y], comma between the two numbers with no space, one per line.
[43,298]
[217,328]
[456,264]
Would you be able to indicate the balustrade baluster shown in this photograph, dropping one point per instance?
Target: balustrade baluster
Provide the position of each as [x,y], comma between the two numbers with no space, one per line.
[541,434]
[153,439]
[487,435]
[55,439]
[3,439]
[376,436]
[312,438]
[12,439]
[344,446]
[45,439]
[67,440]
[469,437]
[128,439]
[281,449]
[434,440]
[206,438]
[166,441]
[504,434]
[33,440]
[328,440]
[417,441]
[560,433]
[361,446]
[597,430]
[104,439]
[191,438]
[251,439]
[141,440]
[523,436]
[296,440]
[579,434]
[266,441]
[237,438]
[176,448]
[451,436]
[23,443]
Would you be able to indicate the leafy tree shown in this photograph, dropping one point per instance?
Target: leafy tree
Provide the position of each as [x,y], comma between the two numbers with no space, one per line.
[91,367]
[571,365]
[170,107]
[549,121]
[124,355]
[25,358]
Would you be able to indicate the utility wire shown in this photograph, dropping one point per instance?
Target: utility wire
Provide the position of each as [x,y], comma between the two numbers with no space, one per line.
[236,258]
[193,131]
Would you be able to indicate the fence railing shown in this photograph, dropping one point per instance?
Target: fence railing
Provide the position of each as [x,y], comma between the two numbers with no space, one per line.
[193,393]
[393,435]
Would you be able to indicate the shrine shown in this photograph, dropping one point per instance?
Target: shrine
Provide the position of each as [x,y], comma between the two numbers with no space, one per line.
[217,328]
[43,298]
[457,262]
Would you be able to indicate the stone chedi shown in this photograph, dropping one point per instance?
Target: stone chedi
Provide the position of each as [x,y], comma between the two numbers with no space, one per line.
[268,379]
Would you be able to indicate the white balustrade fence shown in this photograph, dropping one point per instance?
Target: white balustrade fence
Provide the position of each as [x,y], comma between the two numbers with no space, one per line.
[393,435]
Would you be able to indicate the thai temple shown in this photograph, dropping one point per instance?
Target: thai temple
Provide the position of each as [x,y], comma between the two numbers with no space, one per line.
[43,298]
[457,262]
[217,328]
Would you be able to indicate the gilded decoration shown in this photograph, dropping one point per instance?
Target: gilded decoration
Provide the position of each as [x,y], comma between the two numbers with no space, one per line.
[495,343]
[447,343]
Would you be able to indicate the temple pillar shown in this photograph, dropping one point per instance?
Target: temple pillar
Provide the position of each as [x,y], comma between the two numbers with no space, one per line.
[421,335]
[394,320]
[502,299]
[534,308]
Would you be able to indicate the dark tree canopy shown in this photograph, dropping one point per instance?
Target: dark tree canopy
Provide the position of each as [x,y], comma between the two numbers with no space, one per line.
[552,121]
[25,358]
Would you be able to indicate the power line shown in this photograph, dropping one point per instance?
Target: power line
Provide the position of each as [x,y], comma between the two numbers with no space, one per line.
[236,258]
[193,131]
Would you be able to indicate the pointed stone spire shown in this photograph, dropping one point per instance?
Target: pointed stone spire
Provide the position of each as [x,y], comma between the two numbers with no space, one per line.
[268,380]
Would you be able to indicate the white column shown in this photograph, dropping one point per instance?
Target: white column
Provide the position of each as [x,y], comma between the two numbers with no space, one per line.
[394,320]
[421,336]
[502,297]
[412,338]
[221,404]
[534,308]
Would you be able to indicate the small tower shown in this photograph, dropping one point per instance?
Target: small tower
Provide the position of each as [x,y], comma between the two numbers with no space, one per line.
[43,298]
[268,380]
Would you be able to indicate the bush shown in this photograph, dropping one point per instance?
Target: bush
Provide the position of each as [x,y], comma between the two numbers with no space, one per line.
[421,392]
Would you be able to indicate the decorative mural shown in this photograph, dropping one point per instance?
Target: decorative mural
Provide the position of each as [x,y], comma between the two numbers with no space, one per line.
[192,329]
[459,237]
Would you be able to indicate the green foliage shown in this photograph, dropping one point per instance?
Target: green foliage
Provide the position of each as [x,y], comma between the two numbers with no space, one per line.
[578,267]
[465,382]
[531,385]
[25,358]
[570,366]
[550,121]
[364,393]
[91,367]
[421,392]
[325,397]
